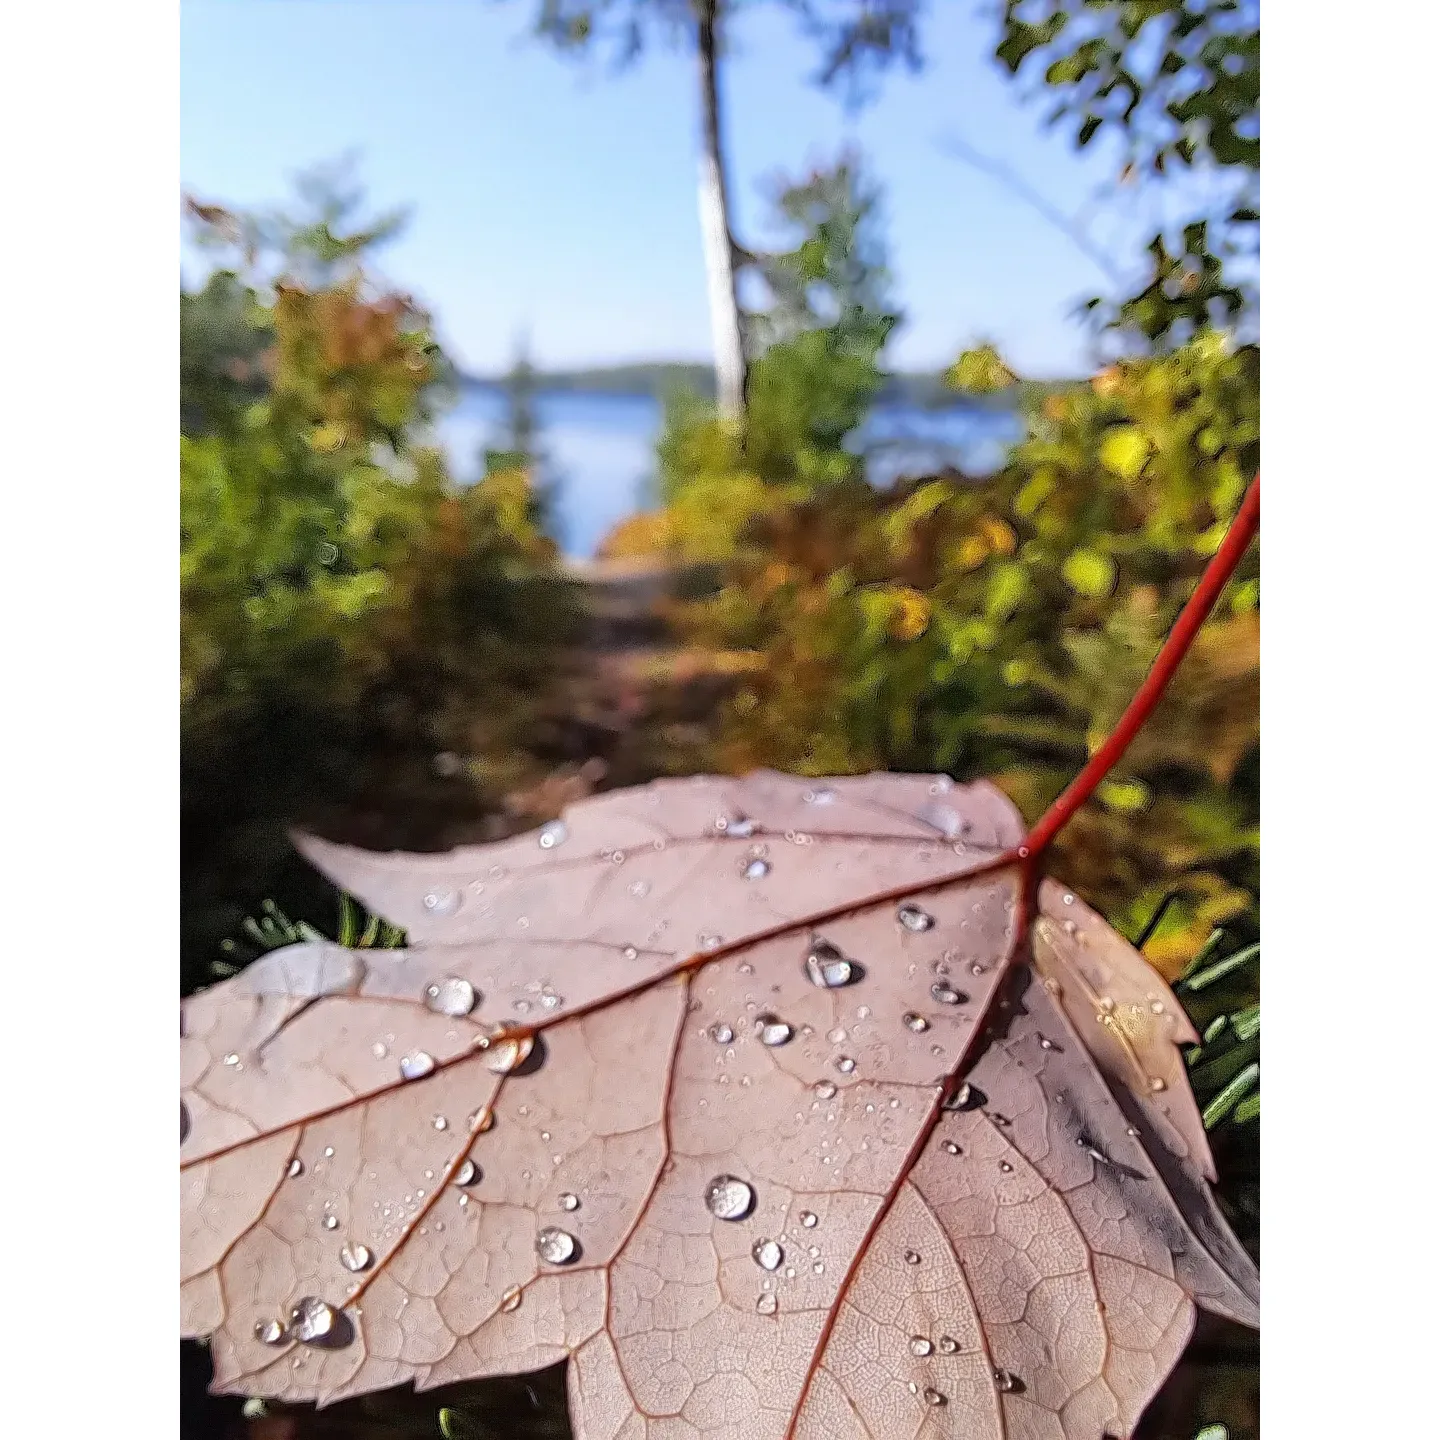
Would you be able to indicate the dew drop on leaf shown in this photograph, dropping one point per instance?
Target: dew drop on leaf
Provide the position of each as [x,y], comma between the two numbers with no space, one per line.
[297,1167]
[1006,1167]
[721,1033]
[767,1254]
[354,1256]
[441,902]
[569,1201]
[825,1089]
[1005,1381]
[912,1257]
[950,1148]
[919,1345]
[933,1397]
[827,967]
[767,1304]
[510,1300]
[416,1064]
[845,1065]
[555,1246]
[945,994]
[468,1173]
[912,917]
[947,1345]
[506,1056]
[440,1123]
[1156,1084]
[269,1332]
[330,1222]
[450,996]
[823,796]
[757,869]
[917,1023]
[553,834]
[184,1122]
[809,1219]
[774,1031]
[312,1319]
[729,1198]
[630,953]
[741,827]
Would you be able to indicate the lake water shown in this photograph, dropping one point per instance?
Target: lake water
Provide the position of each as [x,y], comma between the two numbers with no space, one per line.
[602,449]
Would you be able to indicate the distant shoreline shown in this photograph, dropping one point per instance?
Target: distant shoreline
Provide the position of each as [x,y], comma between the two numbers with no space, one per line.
[657,379]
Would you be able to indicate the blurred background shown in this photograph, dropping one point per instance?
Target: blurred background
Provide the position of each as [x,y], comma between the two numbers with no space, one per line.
[577,393]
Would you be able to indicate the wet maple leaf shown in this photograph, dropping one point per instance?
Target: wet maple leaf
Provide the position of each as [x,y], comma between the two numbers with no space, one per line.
[779,1107]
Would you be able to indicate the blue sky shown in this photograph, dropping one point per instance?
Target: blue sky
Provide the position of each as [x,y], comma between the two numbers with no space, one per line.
[559,198]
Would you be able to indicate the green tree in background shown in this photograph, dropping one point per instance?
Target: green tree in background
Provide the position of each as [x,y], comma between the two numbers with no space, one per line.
[856,39]
[348,613]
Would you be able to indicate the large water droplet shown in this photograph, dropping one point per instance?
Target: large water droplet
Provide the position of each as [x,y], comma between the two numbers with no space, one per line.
[440,1123]
[845,1065]
[312,1319]
[441,902]
[774,1031]
[912,917]
[569,1201]
[330,1223]
[1156,1084]
[553,834]
[945,994]
[721,1033]
[947,1345]
[468,1173]
[825,1089]
[912,1257]
[1006,1382]
[767,1254]
[416,1064]
[933,1397]
[767,1304]
[297,1167]
[510,1300]
[827,967]
[741,827]
[757,869]
[919,1345]
[270,1332]
[729,1198]
[450,996]
[809,1219]
[950,1148]
[1006,1167]
[555,1246]
[355,1256]
[918,1023]
[504,1057]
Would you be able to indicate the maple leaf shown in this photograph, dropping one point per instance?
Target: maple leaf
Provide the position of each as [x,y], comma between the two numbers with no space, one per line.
[779,1107]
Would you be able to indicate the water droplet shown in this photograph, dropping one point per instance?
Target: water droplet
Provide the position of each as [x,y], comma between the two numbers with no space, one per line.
[933,1397]
[1107,1005]
[919,1345]
[232,1059]
[950,1148]
[945,994]
[825,1089]
[329,1151]
[1046,1044]
[767,1254]
[1005,1381]
[918,1023]
[450,996]
[823,796]
[354,1256]
[297,1167]
[1156,1007]
[977,969]
[947,1345]
[569,1201]
[441,902]
[827,967]
[767,1304]
[967,1097]
[482,1120]
[630,952]
[312,1319]
[721,1033]
[1071,928]
[416,1064]
[774,1031]
[330,1222]
[845,1065]
[1156,1084]
[912,917]
[729,1198]
[1006,1167]
[510,1300]
[555,1246]
[809,1219]
[468,1173]
[1069,899]
[709,942]
[269,1332]
[506,1056]
[440,1123]
[757,869]
[912,1257]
